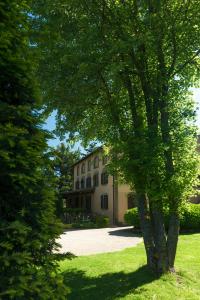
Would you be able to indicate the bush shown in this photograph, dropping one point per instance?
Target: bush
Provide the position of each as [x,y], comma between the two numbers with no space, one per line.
[77,225]
[97,221]
[74,211]
[189,218]
[131,217]
[89,225]
[66,226]
[102,221]
[84,225]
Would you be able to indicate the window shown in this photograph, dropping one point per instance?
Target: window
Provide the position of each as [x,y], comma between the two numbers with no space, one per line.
[83,183]
[104,160]
[88,203]
[96,179]
[132,202]
[77,185]
[104,178]
[88,182]
[89,165]
[96,162]
[77,171]
[83,168]
[104,201]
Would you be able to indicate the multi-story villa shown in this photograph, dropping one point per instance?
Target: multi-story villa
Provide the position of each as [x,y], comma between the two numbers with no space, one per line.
[96,191]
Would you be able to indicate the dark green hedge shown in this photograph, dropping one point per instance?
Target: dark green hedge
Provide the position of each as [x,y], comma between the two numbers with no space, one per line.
[189,219]
[131,217]
[102,221]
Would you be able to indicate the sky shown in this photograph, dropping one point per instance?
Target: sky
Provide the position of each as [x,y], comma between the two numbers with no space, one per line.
[51,123]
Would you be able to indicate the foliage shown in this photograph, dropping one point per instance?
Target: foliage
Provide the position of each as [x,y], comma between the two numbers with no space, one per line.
[28,227]
[74,211]
[82,219]
[62,160]
[91,147]
[189,217]
[102,221]
[123,72]
[84,225]
[66,226]
[122,275]
[25,274]
[131,217]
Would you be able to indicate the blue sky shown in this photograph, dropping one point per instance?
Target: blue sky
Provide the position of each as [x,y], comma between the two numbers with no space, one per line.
[51,123]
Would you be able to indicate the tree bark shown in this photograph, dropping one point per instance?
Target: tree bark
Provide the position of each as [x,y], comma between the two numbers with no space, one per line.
[160,249]
[172,239]
[147,230]
[161,254]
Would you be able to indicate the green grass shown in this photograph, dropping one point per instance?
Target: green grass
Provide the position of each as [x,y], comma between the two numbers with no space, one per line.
[123,275]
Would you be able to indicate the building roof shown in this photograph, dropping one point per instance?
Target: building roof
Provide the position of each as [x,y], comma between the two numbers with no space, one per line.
[88,155]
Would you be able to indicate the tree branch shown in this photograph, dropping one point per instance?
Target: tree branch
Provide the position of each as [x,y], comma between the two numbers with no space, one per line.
[113,111]
[190,60]
[174,57]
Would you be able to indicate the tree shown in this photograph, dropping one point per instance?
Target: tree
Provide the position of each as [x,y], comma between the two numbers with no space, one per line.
[120,72]
[91,147]
[63,159]
[28,227]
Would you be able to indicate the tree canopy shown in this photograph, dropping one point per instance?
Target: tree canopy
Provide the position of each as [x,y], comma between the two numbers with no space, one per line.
[120,72]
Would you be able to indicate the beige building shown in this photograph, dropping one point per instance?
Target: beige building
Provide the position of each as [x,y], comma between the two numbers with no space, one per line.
[97,192]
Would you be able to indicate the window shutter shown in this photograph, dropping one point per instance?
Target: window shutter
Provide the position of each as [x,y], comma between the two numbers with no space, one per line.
[105,201]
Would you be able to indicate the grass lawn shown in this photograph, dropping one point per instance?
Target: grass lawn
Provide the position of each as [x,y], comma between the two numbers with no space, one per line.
[122,275]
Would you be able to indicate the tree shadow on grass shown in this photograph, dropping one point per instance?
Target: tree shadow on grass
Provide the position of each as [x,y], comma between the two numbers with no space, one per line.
[109,286]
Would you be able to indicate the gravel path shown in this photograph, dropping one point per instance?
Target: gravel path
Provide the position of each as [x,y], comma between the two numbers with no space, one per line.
[91,241]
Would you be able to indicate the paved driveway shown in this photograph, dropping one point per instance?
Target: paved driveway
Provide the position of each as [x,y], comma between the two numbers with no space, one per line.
[91,241]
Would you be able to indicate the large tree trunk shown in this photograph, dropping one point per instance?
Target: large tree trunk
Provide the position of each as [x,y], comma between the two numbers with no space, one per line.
[147,230]
[161,254]
[160,248]
[172,239]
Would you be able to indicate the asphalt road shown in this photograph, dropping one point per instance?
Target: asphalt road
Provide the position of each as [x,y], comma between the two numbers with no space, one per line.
[91,241]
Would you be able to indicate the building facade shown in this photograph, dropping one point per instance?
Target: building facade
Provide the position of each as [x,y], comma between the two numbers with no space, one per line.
[96,191]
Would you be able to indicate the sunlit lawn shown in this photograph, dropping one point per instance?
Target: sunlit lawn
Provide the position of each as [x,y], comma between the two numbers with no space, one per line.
[122,275]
